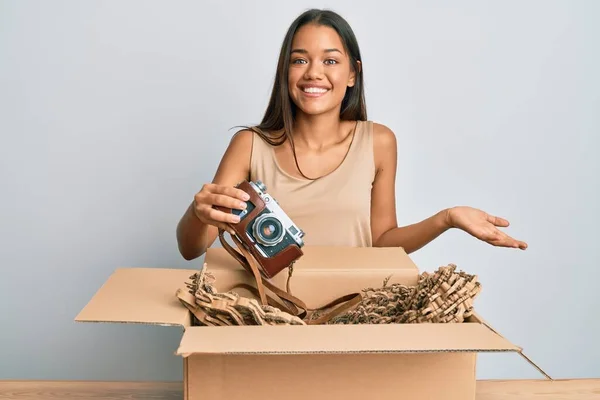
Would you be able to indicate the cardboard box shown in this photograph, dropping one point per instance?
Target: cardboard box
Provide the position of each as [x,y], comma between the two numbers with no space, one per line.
[421,361]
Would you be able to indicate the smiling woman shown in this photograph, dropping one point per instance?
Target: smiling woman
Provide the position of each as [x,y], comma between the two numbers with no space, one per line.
[331,169]
[320,77]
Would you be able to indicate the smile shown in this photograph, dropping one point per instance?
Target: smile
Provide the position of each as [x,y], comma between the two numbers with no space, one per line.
[314,91]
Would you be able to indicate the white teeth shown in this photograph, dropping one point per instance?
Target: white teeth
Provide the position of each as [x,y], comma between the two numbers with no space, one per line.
[314,90]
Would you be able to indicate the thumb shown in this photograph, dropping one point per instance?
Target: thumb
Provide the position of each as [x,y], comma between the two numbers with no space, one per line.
[497,221]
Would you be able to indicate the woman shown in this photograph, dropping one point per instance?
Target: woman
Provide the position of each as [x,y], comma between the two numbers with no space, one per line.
[331,170]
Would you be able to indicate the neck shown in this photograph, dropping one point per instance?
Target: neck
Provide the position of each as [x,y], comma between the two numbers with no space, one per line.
[317,131]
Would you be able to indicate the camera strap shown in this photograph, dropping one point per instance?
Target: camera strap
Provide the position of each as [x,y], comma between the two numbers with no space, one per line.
[289,303]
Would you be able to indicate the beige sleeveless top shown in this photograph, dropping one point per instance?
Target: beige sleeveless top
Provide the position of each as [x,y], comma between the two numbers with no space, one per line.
[333,210]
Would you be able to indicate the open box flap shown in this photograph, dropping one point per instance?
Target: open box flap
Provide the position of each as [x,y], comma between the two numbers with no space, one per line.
[478,318]
[139,295]
[367,338]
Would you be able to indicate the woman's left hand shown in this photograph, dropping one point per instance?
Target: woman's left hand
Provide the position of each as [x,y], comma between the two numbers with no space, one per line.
[482,226]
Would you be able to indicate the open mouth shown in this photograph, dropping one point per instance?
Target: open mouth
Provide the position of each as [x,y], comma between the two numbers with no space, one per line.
[312,91]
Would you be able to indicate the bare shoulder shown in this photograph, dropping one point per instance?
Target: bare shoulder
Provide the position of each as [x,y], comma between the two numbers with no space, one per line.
[235,163]
[242,140]
[384,146]
[240,146]
[383,136]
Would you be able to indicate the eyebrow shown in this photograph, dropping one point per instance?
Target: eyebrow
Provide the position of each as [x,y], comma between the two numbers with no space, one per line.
[303,51]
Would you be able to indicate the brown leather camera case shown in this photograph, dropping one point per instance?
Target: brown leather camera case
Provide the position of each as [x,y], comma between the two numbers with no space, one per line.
[269,266]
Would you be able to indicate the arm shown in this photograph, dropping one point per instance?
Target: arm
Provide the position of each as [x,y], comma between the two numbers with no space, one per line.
[415,236]
[384,226]
[195,236]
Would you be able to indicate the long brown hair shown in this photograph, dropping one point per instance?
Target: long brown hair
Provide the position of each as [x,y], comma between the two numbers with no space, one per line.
[277,122]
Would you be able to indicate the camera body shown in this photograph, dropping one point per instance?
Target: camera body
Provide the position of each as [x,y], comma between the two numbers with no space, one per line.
[270,230]
[266,231]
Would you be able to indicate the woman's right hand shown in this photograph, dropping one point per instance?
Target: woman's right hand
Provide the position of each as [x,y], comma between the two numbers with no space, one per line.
[212,195]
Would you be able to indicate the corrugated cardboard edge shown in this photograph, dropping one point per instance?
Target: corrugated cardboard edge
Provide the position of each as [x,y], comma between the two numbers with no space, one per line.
[476,317]
[344,339]
[520,351]
[144,296]
[186,380]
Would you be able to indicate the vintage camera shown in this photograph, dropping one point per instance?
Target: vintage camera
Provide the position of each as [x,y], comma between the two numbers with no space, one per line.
[266,231]
[271,230]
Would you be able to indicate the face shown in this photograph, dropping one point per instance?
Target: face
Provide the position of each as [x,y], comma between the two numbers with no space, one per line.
[319,71]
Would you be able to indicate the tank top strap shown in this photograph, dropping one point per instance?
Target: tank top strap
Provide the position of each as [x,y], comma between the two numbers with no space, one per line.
[261,158]
[361,150]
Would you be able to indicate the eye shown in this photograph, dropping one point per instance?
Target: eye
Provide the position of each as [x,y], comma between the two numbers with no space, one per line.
[330,61]
[298,61]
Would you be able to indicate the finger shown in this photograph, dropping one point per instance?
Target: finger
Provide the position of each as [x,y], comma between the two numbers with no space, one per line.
[211,216]
[232,192]
[508,241]
[521,245]
[207,188]
[227,201]
[504,240]
[491,234]
[219,216]
[497,221]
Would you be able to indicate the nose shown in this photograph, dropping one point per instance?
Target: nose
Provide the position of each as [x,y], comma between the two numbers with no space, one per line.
[313,71]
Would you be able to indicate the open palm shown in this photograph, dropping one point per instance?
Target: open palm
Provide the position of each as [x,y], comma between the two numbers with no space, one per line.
[483,226]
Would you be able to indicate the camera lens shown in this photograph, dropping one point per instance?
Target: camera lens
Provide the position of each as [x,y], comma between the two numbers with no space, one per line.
[268,230]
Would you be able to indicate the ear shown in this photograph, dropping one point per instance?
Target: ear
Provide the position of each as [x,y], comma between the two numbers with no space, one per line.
[352,80]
